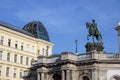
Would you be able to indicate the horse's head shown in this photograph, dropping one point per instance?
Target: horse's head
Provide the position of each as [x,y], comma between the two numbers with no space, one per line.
[88,24]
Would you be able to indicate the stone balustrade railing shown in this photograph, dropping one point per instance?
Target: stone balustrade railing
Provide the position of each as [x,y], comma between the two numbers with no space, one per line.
[69,56]
[84,57]
[78,57]
[113,56]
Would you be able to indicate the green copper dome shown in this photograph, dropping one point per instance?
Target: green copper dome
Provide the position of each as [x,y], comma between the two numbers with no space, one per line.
[37,29]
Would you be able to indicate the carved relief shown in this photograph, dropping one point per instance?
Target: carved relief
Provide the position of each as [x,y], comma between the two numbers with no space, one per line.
[75,75]
[115,77]
[85,73]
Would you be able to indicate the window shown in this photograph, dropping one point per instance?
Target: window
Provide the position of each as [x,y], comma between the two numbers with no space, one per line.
[33,49]
[7,71]
[8,56]
[21,73]
[15,58]
[47,50]
[27,47]
[21,59]
[1,55]
[14,73]
[22,46]
[1,40]
[86,78]
[115,77]
[46,53]
[0,70]
[43,52]
[38,52]
[9,42]
[16,44]
[27,60]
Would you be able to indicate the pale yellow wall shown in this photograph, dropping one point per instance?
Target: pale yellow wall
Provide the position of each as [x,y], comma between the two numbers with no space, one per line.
[20,38]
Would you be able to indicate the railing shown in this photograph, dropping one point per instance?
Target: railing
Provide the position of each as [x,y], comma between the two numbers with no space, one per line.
[80,57]
[84,57]
[113,56]
[53,59]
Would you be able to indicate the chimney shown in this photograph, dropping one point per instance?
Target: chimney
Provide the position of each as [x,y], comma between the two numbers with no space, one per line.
[118,30]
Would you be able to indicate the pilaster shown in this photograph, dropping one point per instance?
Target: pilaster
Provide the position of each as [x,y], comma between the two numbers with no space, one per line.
[42,76]
[67,74]
[95,74]
[38,76]
[63,75]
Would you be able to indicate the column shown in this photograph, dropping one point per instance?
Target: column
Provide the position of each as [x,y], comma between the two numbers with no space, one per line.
[73,75]
[42,76]
[38,76]
[63,75]
[95,74]
[67,74]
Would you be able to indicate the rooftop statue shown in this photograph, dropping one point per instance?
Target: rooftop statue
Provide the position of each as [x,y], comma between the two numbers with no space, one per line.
[93,31]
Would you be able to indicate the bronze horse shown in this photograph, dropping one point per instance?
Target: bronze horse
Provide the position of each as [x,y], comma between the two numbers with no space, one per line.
[93,31]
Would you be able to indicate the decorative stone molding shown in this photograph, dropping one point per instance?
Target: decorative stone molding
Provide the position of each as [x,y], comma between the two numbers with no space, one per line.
[85,72]
[42,69]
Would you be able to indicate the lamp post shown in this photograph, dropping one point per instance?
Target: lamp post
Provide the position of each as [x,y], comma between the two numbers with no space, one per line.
[118,30]
[76,43]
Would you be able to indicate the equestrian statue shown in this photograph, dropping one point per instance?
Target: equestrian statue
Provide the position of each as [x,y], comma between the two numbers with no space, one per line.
[93,31]
[95,34]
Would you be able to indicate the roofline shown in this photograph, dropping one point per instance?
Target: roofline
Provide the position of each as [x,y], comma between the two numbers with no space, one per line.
[12,27]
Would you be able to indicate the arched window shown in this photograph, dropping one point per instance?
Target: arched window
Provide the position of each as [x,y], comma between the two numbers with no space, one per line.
[85,78]
[116,77]
[56,77]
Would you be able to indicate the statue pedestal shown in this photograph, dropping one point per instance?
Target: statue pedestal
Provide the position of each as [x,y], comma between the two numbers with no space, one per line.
[94,46]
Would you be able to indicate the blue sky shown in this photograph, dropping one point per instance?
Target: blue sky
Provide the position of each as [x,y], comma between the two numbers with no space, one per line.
[65,20]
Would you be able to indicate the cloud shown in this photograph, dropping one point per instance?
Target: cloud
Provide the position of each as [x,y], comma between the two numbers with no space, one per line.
[56,17]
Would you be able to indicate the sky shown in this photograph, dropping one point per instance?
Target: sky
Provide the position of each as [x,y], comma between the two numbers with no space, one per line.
[65,20]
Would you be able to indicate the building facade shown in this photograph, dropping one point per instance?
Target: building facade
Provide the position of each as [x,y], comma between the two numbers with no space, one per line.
[19,47]
[95,64]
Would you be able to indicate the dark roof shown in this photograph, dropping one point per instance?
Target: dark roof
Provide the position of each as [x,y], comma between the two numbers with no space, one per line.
[37,29]
[34,29]
[4,24]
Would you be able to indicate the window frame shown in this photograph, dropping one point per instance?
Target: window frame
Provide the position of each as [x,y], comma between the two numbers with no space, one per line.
[14,73]
[16,44]
[15,58]
[8,56]
[7,71]
[9,42]
[0,70]
[1,52]
[21,73]
[1,40]
[21,59]
[27,60]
